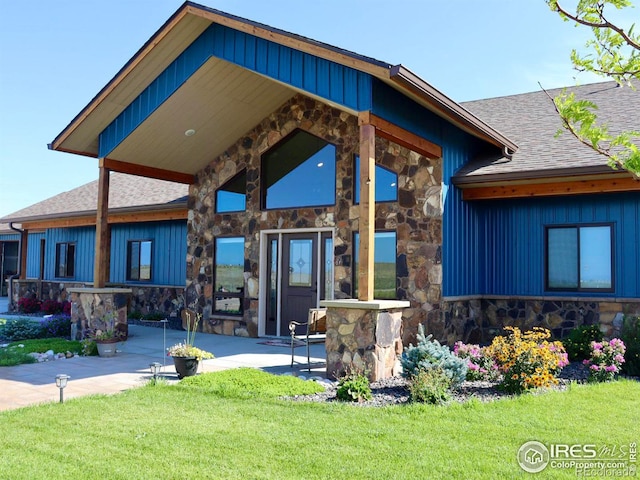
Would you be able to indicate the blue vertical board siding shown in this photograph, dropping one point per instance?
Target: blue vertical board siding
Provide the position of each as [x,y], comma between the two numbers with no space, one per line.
[514,233]
[335,82]
[168,256]
[85,242]
[33,254]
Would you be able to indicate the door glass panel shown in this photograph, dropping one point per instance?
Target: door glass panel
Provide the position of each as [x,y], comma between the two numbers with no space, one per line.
[273,281]
[300,262]
[328,269]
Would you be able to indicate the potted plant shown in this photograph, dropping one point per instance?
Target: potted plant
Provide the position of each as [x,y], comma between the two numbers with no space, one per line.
[187,357]
[106,337]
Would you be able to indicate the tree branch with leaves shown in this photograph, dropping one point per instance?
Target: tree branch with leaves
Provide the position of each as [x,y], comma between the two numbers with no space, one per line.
[613,52]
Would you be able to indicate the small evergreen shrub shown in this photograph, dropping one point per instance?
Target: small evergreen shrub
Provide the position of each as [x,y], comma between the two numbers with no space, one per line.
[527,360]
[10,357]
[28,305]
[605,360]
[631,338]
[578,343]
[21,329]
[481,366]
[430,386]
[428,354]
[353,386]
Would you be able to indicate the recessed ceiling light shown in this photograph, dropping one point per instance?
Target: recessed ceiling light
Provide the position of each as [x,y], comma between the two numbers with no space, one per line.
[321,164]
[190,133]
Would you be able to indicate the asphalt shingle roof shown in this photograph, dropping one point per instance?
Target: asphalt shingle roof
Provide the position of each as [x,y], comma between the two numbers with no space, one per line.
[531,121]
[125,191]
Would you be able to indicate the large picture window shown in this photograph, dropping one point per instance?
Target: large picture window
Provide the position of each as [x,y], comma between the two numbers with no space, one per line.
[384,281]
[300,171]
[139,260]
[65,260]
[580,258]
[386,183]
[232,196]
[229,276]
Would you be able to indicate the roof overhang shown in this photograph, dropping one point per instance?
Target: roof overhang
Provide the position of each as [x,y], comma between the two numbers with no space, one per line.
[560,182]
[144,213]
[221,101]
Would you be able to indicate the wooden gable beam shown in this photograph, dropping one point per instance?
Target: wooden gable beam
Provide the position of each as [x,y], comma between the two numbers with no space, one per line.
[399,135]
[149,172]
[574,187]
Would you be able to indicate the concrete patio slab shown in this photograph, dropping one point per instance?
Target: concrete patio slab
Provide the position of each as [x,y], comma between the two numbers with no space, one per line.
[25,385]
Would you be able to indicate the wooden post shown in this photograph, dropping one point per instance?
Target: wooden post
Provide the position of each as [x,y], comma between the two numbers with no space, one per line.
[103,231]
[367,212]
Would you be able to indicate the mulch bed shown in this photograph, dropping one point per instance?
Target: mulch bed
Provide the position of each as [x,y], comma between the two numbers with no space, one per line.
[394,391]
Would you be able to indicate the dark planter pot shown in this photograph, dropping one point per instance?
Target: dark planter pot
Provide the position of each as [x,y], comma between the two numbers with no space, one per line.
[186,366]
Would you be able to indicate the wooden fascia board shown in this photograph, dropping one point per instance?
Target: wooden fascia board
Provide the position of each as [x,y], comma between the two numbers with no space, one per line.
[114,218]
[149,172]
[550,189]
[292,42]
[120,76]
[399,135]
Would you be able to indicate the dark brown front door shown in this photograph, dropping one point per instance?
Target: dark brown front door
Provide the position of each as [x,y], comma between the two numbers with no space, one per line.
[299,277]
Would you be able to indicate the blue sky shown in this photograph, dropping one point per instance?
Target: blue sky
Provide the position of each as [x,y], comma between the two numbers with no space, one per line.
[56,55]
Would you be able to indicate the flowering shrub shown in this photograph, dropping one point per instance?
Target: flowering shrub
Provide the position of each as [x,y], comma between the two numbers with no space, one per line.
[58,326]
[66,308]
[606,360]
[481,365]
[29,305]
[51,307]
[527,360]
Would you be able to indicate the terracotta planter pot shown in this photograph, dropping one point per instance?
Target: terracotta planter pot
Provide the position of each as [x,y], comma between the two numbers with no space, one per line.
[186,366]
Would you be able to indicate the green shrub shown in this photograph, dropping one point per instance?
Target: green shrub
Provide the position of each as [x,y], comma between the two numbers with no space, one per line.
[21,329]
[156,316]
[430,386]
[353,386]
[250,382]
[58,326]
[41,345]
[631,337]
[428,354]
[135,315]
[578,343]
[10,357]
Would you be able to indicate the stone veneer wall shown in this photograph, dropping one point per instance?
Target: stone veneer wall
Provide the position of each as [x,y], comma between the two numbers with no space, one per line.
[91,308]
[146,299]
[416,216]
[478,320]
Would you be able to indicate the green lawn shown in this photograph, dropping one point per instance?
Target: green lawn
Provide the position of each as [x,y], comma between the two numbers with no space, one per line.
[179,432]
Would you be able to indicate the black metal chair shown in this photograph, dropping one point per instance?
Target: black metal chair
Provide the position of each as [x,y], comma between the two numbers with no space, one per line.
[314,331]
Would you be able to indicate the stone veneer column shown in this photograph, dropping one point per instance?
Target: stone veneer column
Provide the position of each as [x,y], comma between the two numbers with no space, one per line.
[90,305]
[366,336]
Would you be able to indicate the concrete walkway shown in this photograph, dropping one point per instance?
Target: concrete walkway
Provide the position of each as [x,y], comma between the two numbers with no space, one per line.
[25,385]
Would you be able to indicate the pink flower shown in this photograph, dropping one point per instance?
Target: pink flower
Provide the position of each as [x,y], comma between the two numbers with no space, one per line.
[586,362]
[596,345]
[619,358]
[611,368]
[595,368]
[473,366]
